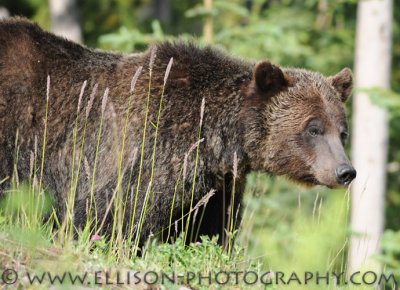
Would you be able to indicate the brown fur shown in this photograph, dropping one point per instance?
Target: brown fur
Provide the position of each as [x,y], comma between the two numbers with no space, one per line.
[260,112]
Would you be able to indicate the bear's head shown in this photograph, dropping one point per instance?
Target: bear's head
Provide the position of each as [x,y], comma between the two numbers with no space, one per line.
[295,124]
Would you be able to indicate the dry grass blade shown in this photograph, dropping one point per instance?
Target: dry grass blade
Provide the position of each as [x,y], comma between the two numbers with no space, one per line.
[194,146]
[235,165]
[203,104]
[167,71]
[48,88]
[135,153]
[204,200]
[152,58]
[135,78]
[110,203]
[81,95]
[142,214]
[31,163]
[91,99]
[104,102]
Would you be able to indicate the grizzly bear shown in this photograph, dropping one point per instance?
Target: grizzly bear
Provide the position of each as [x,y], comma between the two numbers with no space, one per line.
[193,131]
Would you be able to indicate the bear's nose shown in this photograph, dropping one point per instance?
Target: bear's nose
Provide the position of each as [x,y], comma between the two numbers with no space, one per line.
[345,174]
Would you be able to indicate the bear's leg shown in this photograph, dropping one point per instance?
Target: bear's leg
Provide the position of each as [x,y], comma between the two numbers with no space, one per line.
[215,218]
[209,220]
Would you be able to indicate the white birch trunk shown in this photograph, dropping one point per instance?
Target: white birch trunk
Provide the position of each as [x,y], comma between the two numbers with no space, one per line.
[370,131]
[65,19]
[208,25]
[3,13]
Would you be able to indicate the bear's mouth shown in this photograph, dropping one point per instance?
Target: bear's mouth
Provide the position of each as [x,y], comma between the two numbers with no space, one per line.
[309,179]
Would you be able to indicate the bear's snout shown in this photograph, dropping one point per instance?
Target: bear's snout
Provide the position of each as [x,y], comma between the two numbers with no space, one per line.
[345,174]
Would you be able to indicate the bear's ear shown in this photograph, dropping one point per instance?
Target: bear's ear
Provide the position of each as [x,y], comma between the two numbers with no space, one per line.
[343,83]
[269,78]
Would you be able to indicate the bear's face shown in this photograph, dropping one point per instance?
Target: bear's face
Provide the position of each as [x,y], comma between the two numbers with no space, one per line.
[304,127]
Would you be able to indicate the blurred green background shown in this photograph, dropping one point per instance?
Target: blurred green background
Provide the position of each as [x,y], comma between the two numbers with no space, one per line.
[284,223]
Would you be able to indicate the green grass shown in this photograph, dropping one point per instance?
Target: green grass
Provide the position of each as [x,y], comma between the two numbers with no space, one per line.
[276,234]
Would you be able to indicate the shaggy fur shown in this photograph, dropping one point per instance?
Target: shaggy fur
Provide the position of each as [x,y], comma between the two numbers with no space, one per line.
[262,112]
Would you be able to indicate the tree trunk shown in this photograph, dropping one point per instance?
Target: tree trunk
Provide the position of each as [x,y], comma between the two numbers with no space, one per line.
[208,25]
[370,130]
[65,19]
[162,9]
[4,12]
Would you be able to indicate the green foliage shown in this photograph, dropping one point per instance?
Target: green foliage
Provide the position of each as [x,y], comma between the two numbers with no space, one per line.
[105,17]
[391,252]
[22,216]
[291,35]
[208,256]
[132,39]
[23,200]
[219,6]
[384,98]
[286,34]
[39,252]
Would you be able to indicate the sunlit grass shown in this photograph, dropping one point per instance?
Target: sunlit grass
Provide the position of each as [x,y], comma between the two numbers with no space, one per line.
[312,238]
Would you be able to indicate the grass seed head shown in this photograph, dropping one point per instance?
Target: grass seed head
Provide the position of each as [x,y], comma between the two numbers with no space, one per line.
[152,58]
[185,160]
[235,165]
[48,88]
[91,99]
[168,70]
[135,78]
[104,102]
[203,103]
[81,94]
[31,163]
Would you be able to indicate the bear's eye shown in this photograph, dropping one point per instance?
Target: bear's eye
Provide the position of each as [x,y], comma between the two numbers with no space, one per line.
[314,131]
[343,137]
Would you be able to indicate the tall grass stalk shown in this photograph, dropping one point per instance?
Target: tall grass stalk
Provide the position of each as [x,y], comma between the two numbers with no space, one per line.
[118,204]
[201,219]
[343,262]
[185,163]
[142,213]
[44,142]
[173,203]
[34,171]
[110,202]
[92,199]
[183,193]
[88,108]
[68,222]
[235,165]
[45,131]
[202,202]
[71,197]
[133,162]
[195,166]
[154,148]
[75,133]
[152,57]
[4,179]
[14,179]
